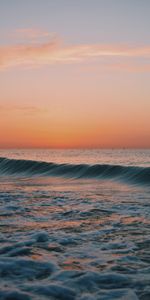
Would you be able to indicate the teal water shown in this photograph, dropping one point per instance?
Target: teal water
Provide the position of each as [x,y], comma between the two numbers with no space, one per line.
[74,224]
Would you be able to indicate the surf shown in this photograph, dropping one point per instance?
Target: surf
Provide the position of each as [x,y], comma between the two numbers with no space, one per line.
[17,167]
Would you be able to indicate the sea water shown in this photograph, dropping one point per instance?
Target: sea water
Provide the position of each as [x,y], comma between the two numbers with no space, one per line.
[74,224]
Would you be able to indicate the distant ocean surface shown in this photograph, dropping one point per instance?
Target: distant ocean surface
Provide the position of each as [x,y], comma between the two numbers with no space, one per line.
[75,224]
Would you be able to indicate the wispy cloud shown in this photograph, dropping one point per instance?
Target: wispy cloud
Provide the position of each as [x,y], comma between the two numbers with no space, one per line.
[38,53]
[129,66]
[53,52]
[27,35]
[25,110]
[30,33]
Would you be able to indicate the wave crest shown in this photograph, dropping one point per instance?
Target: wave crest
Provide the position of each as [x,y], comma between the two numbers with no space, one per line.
[31,168]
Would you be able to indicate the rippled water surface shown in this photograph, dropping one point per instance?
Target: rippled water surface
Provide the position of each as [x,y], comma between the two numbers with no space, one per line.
[119,157]
[74,238]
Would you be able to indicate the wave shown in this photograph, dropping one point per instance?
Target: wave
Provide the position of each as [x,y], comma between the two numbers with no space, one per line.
[133,174]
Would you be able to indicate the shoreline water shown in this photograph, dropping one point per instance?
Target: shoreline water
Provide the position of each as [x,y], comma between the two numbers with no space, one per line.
[66,238]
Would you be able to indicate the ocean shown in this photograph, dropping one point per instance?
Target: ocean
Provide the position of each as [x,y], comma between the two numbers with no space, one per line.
[75,224]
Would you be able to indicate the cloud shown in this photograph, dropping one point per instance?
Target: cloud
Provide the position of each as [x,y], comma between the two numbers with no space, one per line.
[53,52]
[30,33]
[118,66]
[37,53]
[27,35]
[28,110]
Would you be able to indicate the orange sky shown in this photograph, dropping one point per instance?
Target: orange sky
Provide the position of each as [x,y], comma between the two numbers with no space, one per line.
[72,112]
[71,88]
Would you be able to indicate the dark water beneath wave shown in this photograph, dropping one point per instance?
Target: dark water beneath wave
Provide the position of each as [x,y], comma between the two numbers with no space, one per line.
[29,168]
[74,233]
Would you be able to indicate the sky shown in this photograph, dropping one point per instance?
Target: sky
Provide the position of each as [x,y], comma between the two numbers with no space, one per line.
[74,74]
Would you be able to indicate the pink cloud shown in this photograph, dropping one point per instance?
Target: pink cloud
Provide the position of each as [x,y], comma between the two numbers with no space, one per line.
[53,52]
[14,55]
[31,35]
[28,110]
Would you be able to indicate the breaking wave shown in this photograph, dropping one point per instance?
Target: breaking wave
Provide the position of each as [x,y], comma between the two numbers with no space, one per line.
[133,174]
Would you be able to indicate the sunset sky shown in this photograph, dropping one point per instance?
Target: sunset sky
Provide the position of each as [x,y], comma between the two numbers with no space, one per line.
[74,73]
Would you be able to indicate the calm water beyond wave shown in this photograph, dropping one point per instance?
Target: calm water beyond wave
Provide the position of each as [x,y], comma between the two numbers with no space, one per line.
[74,224]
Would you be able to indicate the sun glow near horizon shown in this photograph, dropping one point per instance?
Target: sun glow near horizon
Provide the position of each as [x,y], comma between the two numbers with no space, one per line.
[65,86]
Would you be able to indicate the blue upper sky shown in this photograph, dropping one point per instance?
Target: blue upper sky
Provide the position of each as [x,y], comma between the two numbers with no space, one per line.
[95,21]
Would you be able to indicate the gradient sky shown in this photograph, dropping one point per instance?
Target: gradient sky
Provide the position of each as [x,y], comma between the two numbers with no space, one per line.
[74,73]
